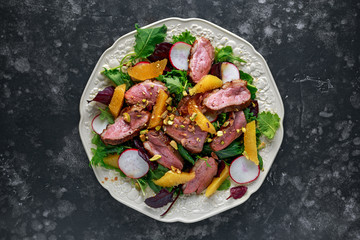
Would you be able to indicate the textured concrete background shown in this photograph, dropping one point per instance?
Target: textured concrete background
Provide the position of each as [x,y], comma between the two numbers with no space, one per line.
[47,52]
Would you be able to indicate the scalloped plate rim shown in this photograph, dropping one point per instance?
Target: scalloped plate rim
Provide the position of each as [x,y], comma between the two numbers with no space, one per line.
[224,208]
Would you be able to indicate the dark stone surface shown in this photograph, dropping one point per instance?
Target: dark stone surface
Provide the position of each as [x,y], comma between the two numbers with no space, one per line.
[47,52]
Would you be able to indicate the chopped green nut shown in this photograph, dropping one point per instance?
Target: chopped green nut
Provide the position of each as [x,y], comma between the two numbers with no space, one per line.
[155,157]
[174,144]
[219,133]
[126,117]
[157,128]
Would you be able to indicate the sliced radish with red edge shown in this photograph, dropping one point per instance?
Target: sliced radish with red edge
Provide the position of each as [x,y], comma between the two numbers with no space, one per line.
[243,170]
[99,125]
[229,72]
[132,165]
[179,55]
[212,117]
[141,63]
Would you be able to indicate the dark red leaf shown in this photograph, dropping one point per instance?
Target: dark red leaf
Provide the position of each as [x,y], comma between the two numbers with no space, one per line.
[104,96]
[237,192]
[161,51]
[254,107]
[167,210]
[160,199]
[216,70]
[143,154]
[221,167]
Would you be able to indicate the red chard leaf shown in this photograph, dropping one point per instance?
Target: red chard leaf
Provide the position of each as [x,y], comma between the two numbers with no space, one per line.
[104,96]
[237,192]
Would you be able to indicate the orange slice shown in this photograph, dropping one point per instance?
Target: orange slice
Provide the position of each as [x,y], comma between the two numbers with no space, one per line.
[143,72]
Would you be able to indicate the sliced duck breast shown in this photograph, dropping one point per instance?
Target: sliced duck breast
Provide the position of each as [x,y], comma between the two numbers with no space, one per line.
[123,129]
[185,132]
[201,57]
[230,132]
[233,96]
[144,94]
[205,169]
[158,144]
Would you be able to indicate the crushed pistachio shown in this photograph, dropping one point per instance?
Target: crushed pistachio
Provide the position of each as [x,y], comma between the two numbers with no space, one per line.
[253,104]
[155,157]
[150,93]
[209,140]
[174,109]
[143,93]
[182,126]
[157,128]
[163,116]
[175,170]
[198,139]
[142,137]
[139,115]
[168,101]
[145,131]
[169,122]
[224,131]
[238,130]
[243,130]
[185,93]
[219,133]
[226,124]
[126,117]
[172,116]
[169,108]
[193,116]
[144,100]
[222,142]
[152,85]
[174,144]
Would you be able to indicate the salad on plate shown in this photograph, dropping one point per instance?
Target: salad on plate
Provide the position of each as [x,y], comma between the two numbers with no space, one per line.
[180,118]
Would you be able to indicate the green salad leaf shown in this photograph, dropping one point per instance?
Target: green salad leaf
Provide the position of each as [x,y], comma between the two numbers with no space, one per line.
[118,77]
[105,114]
[252,90]
[102,150]
[236,148]
[225,185]
[249,116]
[268,123]
[184,37]
[221,119]
[185,154]
[225,54]
[146,40]
[176,81]
[246,77]
[154,175]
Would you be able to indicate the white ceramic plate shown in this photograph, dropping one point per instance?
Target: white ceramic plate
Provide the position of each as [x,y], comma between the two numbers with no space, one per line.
[191,208]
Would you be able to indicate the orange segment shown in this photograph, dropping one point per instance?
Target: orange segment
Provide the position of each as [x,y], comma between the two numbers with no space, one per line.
[159,109]
[200,118]
[171,178]
[117,100]
[112,160]
[207,83]
[250,142]
[143,72]
[216,182]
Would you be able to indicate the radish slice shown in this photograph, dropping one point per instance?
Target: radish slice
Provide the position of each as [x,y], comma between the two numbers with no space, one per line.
[212,117]
[132,164]
[229,72]
[99,125]
[243,170]
[179,54]
[141,63]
